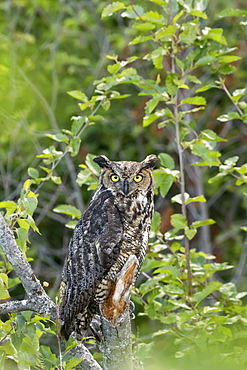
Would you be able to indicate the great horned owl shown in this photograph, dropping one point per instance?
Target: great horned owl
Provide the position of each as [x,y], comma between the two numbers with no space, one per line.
[114,226]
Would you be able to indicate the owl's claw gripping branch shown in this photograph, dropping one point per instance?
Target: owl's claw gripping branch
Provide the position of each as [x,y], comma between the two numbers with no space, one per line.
[117,303]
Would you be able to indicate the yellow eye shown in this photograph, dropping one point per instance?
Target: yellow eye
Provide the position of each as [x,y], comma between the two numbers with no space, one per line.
[138,178]
[115,178]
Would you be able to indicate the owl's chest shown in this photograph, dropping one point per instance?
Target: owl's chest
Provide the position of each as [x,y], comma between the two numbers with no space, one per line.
[136,217]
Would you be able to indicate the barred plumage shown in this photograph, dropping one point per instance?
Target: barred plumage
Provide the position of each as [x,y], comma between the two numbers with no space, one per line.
[114,226]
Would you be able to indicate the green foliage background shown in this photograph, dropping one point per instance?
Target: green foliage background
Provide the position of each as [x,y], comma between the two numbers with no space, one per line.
[128,93]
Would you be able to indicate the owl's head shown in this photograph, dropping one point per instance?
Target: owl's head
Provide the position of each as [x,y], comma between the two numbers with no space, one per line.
[125,177]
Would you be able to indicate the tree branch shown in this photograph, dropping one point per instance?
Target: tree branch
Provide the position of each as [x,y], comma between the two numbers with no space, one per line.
[88,361]
[116,345]
[38,300]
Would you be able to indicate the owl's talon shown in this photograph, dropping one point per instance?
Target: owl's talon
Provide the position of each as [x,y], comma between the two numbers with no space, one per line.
[131,310]
[132,306]
[96,328]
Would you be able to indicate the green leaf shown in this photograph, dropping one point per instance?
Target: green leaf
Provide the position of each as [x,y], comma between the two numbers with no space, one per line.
[155,225]
[9,205]
[71,224]
[106,105]
[210,135]
[50,155]
[205,61]
[140,39]
[190,233]
[71,343]
[229,116]
[146,26]
[4,294]
[173,289]
[237,94]
[73,362]
[32,172]
[8,348]
[166,33]
[112,8]
[68,210]
[22,238]
[113,68]
[231,161]
[194,79]
[147,120]
[177,16]
[23,224]
[197,100]
[30,345]
[77,124]
[30,203]
[154,17]
[206,88]
[74,146]
[49,356]
[215,34]
[95,169]
[13,282]
[58,137]
[199,296]
[85,177]
[199,199]
[56,179]
[196,224]
[178,221]
[152,104]
[228,59]
[217,177]
[198,13]
[227,69]
[163,181]
[189,33]
[171,86]
[133,12]
[167,161]
[232,12]
[178,198]
[78,95]
[157,57]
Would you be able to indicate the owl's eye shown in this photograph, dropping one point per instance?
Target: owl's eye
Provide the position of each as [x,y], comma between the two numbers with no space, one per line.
[138,178]
[115,178]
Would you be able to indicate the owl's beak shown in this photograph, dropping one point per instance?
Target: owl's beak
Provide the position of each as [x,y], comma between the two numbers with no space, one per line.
[125,187]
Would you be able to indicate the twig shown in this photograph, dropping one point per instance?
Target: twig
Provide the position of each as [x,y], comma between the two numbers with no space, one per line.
[182,186]
[230,97]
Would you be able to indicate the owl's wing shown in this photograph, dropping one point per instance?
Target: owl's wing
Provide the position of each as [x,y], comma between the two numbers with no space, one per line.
[93,249]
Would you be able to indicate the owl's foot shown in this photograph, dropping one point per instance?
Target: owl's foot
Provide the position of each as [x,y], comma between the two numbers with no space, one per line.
[131,310]
[96,329]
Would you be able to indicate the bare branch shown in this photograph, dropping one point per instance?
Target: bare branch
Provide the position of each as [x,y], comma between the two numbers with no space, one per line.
[38,300]
[88,361]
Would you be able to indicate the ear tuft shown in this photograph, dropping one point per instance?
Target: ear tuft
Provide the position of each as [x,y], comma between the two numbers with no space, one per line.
[150,161]
[102,161]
